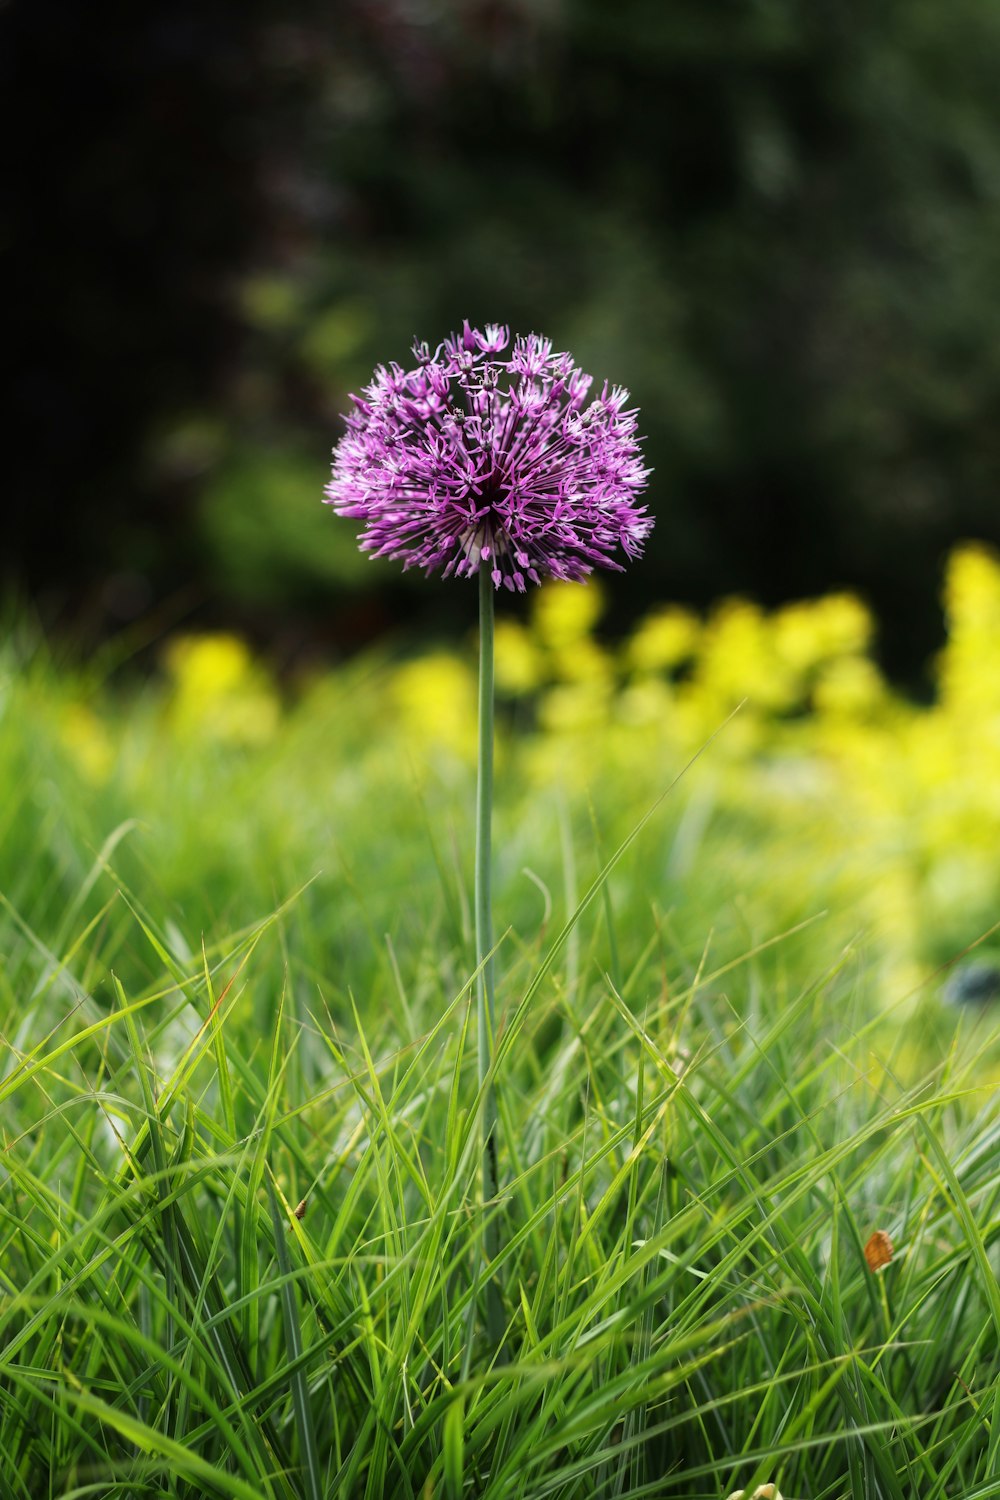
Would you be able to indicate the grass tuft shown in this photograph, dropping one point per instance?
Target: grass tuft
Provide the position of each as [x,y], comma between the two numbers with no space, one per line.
[239,1237]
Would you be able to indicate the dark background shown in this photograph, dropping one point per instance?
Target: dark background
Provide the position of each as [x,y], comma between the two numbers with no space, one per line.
[777,222]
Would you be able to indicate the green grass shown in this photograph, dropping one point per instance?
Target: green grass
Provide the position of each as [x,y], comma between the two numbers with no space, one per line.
[239,1246]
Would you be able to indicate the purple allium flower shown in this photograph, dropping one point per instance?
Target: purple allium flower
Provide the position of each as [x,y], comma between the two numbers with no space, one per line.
[477,457]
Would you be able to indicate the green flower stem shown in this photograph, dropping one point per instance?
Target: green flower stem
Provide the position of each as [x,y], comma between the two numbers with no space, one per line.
[485,1011]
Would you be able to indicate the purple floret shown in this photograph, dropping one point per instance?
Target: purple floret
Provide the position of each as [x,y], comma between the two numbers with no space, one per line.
[478,459]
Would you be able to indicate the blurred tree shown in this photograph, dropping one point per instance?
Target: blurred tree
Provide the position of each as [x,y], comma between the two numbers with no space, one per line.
[131,207]
[777,223]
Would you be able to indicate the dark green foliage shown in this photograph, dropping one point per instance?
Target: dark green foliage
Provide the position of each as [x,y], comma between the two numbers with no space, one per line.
[776,222]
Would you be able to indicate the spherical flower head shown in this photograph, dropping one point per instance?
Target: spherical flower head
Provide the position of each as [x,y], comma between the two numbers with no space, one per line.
[488,455]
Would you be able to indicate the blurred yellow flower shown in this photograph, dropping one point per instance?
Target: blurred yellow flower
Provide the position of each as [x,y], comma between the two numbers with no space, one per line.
[738,661]
[566,613]
[520,665]
[584,662]
[969,667]
[849,686]
[571,708]
[88,742]
[663,640]
[814,631]
[648,701]
[972,590]
[218,691]
[435,696]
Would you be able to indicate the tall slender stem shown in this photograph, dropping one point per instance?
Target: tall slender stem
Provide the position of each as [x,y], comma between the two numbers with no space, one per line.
[485,1010]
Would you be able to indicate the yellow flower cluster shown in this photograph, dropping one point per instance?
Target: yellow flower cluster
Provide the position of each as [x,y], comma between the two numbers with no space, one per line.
[921,786]
[218,692]
[888,809]
[823,788]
